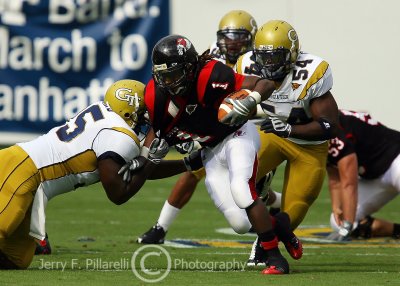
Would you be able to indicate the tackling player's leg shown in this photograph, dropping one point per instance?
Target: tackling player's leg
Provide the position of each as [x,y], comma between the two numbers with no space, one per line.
[19,180]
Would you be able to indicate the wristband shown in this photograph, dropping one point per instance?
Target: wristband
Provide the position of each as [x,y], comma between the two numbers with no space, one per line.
[144,152]
[326,126]
[256,95]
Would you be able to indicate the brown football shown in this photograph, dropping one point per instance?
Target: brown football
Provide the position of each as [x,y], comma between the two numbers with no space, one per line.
[226,107]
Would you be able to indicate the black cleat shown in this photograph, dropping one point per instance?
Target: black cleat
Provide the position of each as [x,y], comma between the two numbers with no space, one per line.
[43,247]
[276,265]
[155,235]
[258,256]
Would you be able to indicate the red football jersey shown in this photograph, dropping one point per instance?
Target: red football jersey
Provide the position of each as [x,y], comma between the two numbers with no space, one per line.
[194,115]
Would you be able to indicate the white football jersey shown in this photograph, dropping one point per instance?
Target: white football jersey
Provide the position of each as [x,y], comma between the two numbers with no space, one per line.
[66,156]
[310,78]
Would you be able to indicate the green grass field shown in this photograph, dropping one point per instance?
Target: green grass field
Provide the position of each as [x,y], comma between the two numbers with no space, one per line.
[93,242]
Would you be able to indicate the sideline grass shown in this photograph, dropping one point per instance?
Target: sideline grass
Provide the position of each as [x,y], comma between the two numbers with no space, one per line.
[85,229]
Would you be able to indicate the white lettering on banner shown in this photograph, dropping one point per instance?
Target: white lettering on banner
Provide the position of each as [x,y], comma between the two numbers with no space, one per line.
[11,11]
[68,11]
[64,55]
[129,53]
[13,102]
[23,53]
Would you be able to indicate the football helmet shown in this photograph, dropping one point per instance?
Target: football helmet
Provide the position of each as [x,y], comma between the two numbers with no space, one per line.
[126,98]
[174,60]
[235,34]
[276,47]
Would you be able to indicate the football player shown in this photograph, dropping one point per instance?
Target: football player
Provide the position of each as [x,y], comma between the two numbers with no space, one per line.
[235,36]
[182,100]
[364,171]
[301,114]
[90,147]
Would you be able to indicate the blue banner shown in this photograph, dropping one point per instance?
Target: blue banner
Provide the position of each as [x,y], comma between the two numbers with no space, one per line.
[58,56]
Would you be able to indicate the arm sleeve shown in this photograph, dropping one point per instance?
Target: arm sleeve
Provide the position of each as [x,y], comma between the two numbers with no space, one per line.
[110,141]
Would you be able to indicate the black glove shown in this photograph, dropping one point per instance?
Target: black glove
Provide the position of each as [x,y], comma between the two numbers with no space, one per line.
[274,125]
[194,161]
[185,148]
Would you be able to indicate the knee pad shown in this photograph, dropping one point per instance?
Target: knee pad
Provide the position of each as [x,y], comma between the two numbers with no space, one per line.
[241,193]
[238,220]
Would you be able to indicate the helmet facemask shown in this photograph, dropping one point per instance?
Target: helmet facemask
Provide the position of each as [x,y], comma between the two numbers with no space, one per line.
[233,43]
[176,80]
[274,64]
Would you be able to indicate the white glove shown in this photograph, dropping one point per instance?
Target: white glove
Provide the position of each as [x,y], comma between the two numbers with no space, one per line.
[242,108]
[130,167]
[158,150]
[343,234]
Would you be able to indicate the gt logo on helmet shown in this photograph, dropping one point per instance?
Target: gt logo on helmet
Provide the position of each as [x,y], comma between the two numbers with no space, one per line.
[125,94]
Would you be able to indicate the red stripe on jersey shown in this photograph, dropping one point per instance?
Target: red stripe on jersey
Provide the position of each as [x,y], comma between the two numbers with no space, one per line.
[149,98]
[252,181]
[239,78]
[203,78]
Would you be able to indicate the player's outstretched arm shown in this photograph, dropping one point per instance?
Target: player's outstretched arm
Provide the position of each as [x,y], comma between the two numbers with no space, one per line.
[116,189]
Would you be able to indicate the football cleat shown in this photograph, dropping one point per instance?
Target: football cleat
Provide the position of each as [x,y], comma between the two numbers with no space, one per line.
[294,247]
[277,264]
[292,244]
[258,256]
[155,235]
[43,247]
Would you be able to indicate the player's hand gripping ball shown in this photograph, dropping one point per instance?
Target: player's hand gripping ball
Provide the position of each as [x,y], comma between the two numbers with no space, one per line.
[227,107]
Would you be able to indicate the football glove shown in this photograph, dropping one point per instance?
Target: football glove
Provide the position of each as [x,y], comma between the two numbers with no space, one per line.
[158,150]
[194,161]
[242,108]
[274,125]
[130,167]
[343,234]
[185,148]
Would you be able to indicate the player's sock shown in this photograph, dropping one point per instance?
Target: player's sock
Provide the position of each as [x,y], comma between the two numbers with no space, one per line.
[277,264]
[277,203]
[167,215]
[396,231]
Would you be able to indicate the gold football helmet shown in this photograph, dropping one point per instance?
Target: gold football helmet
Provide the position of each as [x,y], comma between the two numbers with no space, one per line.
[276,47]
[235,34]
[126,98]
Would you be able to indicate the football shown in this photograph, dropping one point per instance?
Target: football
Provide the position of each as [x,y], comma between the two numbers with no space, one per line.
[225,107]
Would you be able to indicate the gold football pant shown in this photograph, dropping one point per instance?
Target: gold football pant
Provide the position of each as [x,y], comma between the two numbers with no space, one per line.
[304,172]
[19,179]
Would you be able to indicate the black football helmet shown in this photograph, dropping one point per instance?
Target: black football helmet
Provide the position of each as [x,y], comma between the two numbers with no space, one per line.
[174,60]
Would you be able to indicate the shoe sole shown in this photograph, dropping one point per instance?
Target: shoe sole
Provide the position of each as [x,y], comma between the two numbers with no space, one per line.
[141,241]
